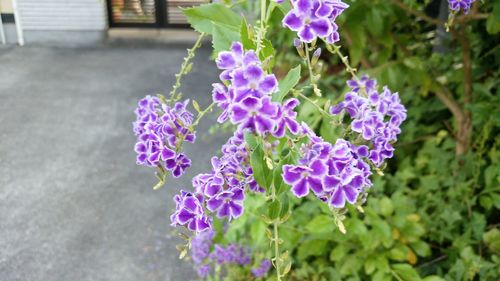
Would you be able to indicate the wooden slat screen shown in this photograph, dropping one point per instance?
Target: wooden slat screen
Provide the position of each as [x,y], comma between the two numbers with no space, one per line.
[133,11]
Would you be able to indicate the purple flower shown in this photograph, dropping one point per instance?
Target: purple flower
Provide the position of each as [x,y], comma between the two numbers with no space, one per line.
[178,164]
[228,61]
[258,115]
[203,270]
[223,97]
[376,116]
[175,124]
[287,118]
[315,18]
[150,150]
[161,130]
[232,254]
[302,178]
[252,81]
[189,212]
[365,82]
[146,112]
[347,175]
[262,269]
[310,19]
[200,246]
[335,173]
[227,203]
[456,5]
[337,6]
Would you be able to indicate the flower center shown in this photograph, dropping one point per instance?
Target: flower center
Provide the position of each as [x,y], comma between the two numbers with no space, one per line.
[305,174]
[252,85]
[307,21]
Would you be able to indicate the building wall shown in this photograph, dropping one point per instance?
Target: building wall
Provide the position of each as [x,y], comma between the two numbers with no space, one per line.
[63,15]
[60,22]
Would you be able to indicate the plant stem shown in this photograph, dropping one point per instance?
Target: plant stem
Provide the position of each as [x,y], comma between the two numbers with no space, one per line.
[184,68]
[320,109]
[261,32]
[465,128]
[336,50]
[201,114]
[277,259]
[308,63]
[277,263]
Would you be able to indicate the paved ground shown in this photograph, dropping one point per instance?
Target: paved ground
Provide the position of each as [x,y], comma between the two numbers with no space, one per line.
[73,204]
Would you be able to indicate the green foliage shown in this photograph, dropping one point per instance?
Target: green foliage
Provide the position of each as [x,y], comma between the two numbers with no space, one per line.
[203,18]
[433,216]
[287,84]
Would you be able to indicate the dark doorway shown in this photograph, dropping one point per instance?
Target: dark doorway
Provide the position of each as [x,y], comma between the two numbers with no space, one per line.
[149,13]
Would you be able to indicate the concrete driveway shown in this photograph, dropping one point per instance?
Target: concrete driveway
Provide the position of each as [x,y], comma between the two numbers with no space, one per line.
[73,204]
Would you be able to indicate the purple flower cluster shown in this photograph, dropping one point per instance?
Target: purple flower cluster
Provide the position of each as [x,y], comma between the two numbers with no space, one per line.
[247,101]
[315,18]
[376,116]
[465,5]
[189,212]
[222,191]
[245,95]
[200,250]
[334,173]
[262,269]
[161,131]
[231,254]
[204,254]
[201,245]
[224,186]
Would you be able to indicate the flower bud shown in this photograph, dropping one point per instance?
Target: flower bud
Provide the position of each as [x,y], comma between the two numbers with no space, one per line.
[316,56]
[299,46]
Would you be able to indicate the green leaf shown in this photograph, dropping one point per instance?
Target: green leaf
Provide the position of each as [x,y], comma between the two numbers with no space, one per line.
[267,51]
[251,140]
[202,18]
[246,39]
[405,272]
[339,252]
[261,173]
[274,209]
[492,239]
[433,278]
[358,43]
[258,231]
[370,265]
[421,248]
[386,207]
[321,224]
[493,21]
[287,83]
[223,36]
[375,21]
[399,253]
[312,248]
[285,205]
